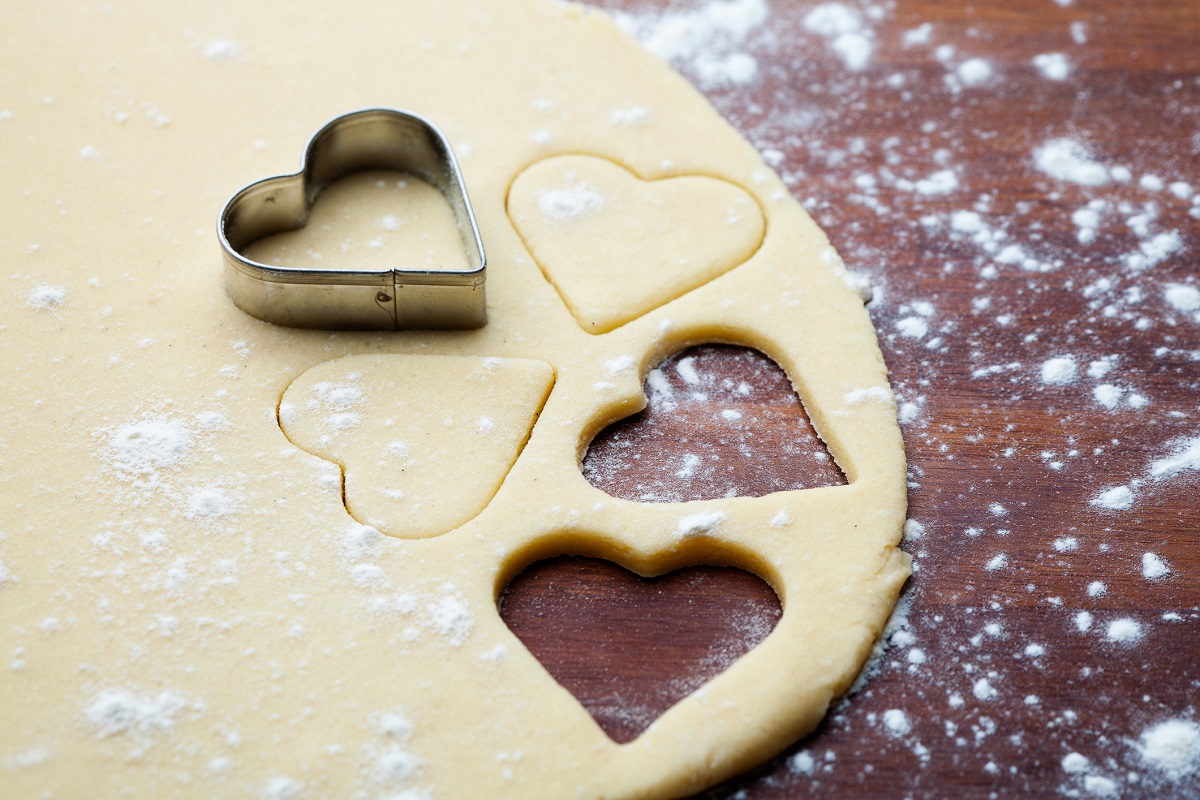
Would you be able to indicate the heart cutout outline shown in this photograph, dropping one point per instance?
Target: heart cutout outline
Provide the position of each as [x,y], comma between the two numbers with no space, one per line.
[687,652]
[769,407]
[599,300]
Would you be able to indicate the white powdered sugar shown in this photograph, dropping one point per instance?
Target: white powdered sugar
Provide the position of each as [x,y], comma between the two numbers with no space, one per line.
[974,71]
[1182,297]
[619,364]
[210,503]
[1069,160]
[1185,457]
[1059,371]
[699,524]
[450,615]
[1117,498]
[1153,250]
[1075,763]
[1154,567]
[115,711]
[943,181]
[1053,66]
[1172,747]
[222,50]
[706,40]
[630,116]
[142,448]
[996,562]
[359,540]
[1124,631]
[569,203]
[870,394]
[912,327]
[842,26]
[1108,395]
[46,296]
[896,722]
[282,787]
[803,763]
[984,691]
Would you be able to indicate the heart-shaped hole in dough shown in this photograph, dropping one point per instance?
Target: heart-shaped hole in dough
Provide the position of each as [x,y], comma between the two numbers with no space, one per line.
[720,421]
[616,246]
[627,647]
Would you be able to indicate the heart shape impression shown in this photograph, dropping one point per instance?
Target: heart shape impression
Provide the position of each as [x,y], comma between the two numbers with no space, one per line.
[719,419]
[414,468]
[627,647]
[616,246]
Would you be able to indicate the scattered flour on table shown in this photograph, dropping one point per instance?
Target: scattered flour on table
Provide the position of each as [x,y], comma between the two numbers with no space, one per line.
[974,71]
[842,26]
[1182,297]
[803,763]
[1124,631]
[1053,66]
[983,690]
[1075,763]
[706,40]
[897,722]
[1154,567]
[1185,457]
[1118,498]
[1059,371]
[1172,747]
[1069,160]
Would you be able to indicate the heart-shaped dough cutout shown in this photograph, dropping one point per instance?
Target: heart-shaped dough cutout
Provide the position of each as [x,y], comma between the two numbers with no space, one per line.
[758,439]
[628,648]
[617,247]
[377,417]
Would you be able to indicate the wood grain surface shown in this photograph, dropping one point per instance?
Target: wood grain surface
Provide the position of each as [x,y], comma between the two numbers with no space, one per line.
[1011,656]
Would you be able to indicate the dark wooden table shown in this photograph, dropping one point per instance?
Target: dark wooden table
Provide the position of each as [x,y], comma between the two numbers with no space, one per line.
[978,282]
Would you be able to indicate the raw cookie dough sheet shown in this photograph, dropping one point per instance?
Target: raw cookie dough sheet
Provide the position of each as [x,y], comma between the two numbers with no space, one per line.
[194,586]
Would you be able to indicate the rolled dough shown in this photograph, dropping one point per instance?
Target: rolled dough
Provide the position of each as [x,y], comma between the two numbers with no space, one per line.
[187,607]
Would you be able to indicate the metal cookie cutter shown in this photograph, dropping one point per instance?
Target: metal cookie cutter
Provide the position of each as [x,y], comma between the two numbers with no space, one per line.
[369,299]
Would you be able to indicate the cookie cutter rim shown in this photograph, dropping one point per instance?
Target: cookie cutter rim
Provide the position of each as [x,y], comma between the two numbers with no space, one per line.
[392,298]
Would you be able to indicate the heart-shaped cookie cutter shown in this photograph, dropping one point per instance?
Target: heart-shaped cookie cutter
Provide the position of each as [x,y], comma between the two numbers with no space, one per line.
[368,299]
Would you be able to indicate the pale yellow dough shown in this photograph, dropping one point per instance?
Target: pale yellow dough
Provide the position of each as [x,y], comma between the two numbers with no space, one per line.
[188,609]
